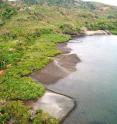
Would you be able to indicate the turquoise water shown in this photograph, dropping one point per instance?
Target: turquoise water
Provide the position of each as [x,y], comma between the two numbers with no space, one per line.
[94,84]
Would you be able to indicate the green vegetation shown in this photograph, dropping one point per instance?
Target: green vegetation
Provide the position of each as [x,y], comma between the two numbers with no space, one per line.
[17,113]
[109,25]
[6,12]
[28,40]
[64,3]
[23,60]
[43,118]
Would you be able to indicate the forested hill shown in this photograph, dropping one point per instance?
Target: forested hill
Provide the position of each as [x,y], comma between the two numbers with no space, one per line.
[95,7]
[65,3]
[102,16]
[70,3]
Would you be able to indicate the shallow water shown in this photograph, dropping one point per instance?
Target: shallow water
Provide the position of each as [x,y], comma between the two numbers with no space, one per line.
[94,84]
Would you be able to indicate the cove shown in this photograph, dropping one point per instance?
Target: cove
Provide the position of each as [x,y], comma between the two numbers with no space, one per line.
[94,83]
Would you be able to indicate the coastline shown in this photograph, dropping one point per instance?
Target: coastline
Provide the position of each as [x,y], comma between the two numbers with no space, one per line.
[61,66]
[62,60]
[50,103]
[39,76]
[58,65]
[64,63]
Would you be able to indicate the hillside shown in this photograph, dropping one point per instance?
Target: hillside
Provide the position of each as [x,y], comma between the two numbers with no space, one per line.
[29,34]
[65,3]
[97,8]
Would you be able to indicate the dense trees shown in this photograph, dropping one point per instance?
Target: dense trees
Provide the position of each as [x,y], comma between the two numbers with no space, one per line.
[67,3]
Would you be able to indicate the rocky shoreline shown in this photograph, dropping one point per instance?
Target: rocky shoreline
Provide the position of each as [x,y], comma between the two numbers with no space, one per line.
[58,105]
[61,66]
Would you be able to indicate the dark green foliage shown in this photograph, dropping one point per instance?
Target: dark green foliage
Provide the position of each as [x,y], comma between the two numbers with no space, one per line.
[7,11]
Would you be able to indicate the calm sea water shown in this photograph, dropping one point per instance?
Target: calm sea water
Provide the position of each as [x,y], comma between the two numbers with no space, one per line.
[94,84]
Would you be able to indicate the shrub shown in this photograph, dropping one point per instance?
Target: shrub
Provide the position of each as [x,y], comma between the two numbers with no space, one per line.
[18,113]
[46,31]
[15,111]
[68,29]
[43,118]
[20,88]
[8,12]
[9,56]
